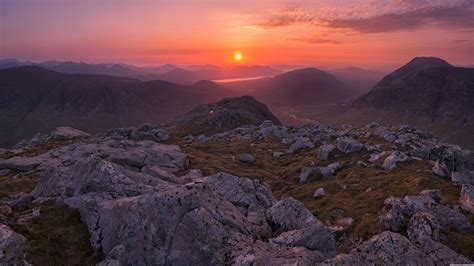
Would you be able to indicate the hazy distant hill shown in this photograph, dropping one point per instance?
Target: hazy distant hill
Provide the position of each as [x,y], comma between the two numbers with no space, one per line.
[358,79]
[33,99]
[309,86]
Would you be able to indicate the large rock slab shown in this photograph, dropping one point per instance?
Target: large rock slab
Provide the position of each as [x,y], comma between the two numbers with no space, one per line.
[294,225]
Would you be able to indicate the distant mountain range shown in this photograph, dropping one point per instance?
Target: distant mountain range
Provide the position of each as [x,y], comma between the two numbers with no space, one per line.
[167,72]
[427,92]
[33,99]
[309,86]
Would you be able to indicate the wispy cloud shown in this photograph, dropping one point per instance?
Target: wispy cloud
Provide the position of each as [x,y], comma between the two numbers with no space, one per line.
[287,16]
[317,41]
[380,16]
[459,41]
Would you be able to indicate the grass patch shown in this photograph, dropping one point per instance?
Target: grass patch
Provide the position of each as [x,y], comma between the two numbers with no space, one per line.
[461,243]
[58,237]
[16,183]
[355,191]
[38,149]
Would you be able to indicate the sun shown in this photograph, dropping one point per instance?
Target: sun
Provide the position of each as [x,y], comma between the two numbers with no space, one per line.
[238,56]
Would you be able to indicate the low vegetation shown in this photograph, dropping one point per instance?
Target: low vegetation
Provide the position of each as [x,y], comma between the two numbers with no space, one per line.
[355,191]
[58,237]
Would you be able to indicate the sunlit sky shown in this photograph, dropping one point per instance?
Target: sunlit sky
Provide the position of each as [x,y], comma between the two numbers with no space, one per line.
[331,33]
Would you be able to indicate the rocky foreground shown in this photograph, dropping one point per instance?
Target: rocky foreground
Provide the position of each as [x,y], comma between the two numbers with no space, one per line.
[144,200]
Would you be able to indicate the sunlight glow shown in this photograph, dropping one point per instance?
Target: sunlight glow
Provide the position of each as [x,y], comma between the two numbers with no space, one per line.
[238,56]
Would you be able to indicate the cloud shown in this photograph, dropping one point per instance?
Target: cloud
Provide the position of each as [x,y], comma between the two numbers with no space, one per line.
[318,41]
[381,16]
[459,41]
[287,16]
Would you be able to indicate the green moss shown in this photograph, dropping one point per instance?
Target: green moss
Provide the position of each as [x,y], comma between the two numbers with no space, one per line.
[14,184]
[58,237]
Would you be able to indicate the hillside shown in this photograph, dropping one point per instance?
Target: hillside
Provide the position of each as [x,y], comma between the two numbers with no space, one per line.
[308,86]
[427,93]
[33,99]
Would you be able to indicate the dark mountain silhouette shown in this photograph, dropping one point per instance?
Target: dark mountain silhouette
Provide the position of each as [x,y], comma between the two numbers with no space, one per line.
[426,87]
[33,99]
[99,69]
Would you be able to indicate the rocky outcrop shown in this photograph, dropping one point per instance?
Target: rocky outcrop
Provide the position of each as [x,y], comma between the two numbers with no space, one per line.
[67,133]
[294,225]
[390,248]
[399,210]
[143,132]
[391,161]
[348,144]
[12,247]
[139,212]
[224,115]
[143,206]
[324,151]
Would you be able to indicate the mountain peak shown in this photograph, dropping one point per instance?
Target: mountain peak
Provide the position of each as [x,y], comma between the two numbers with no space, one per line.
[419,63]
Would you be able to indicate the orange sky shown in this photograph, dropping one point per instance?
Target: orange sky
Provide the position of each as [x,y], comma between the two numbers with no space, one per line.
[320,33]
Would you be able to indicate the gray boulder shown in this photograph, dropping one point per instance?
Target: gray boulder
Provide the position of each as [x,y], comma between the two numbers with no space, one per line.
[398,210]
[467,198]
[440,169]
[422,225]
[319,193]
[294,225]
[391,161]
[388,248]
[13,247]
[465,177]
[300,145]
[246,158]
[67,133]
[330,169]
[324,151]
[306,172]
[348,144]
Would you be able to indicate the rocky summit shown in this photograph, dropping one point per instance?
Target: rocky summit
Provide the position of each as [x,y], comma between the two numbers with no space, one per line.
[253,194]
[141,196]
